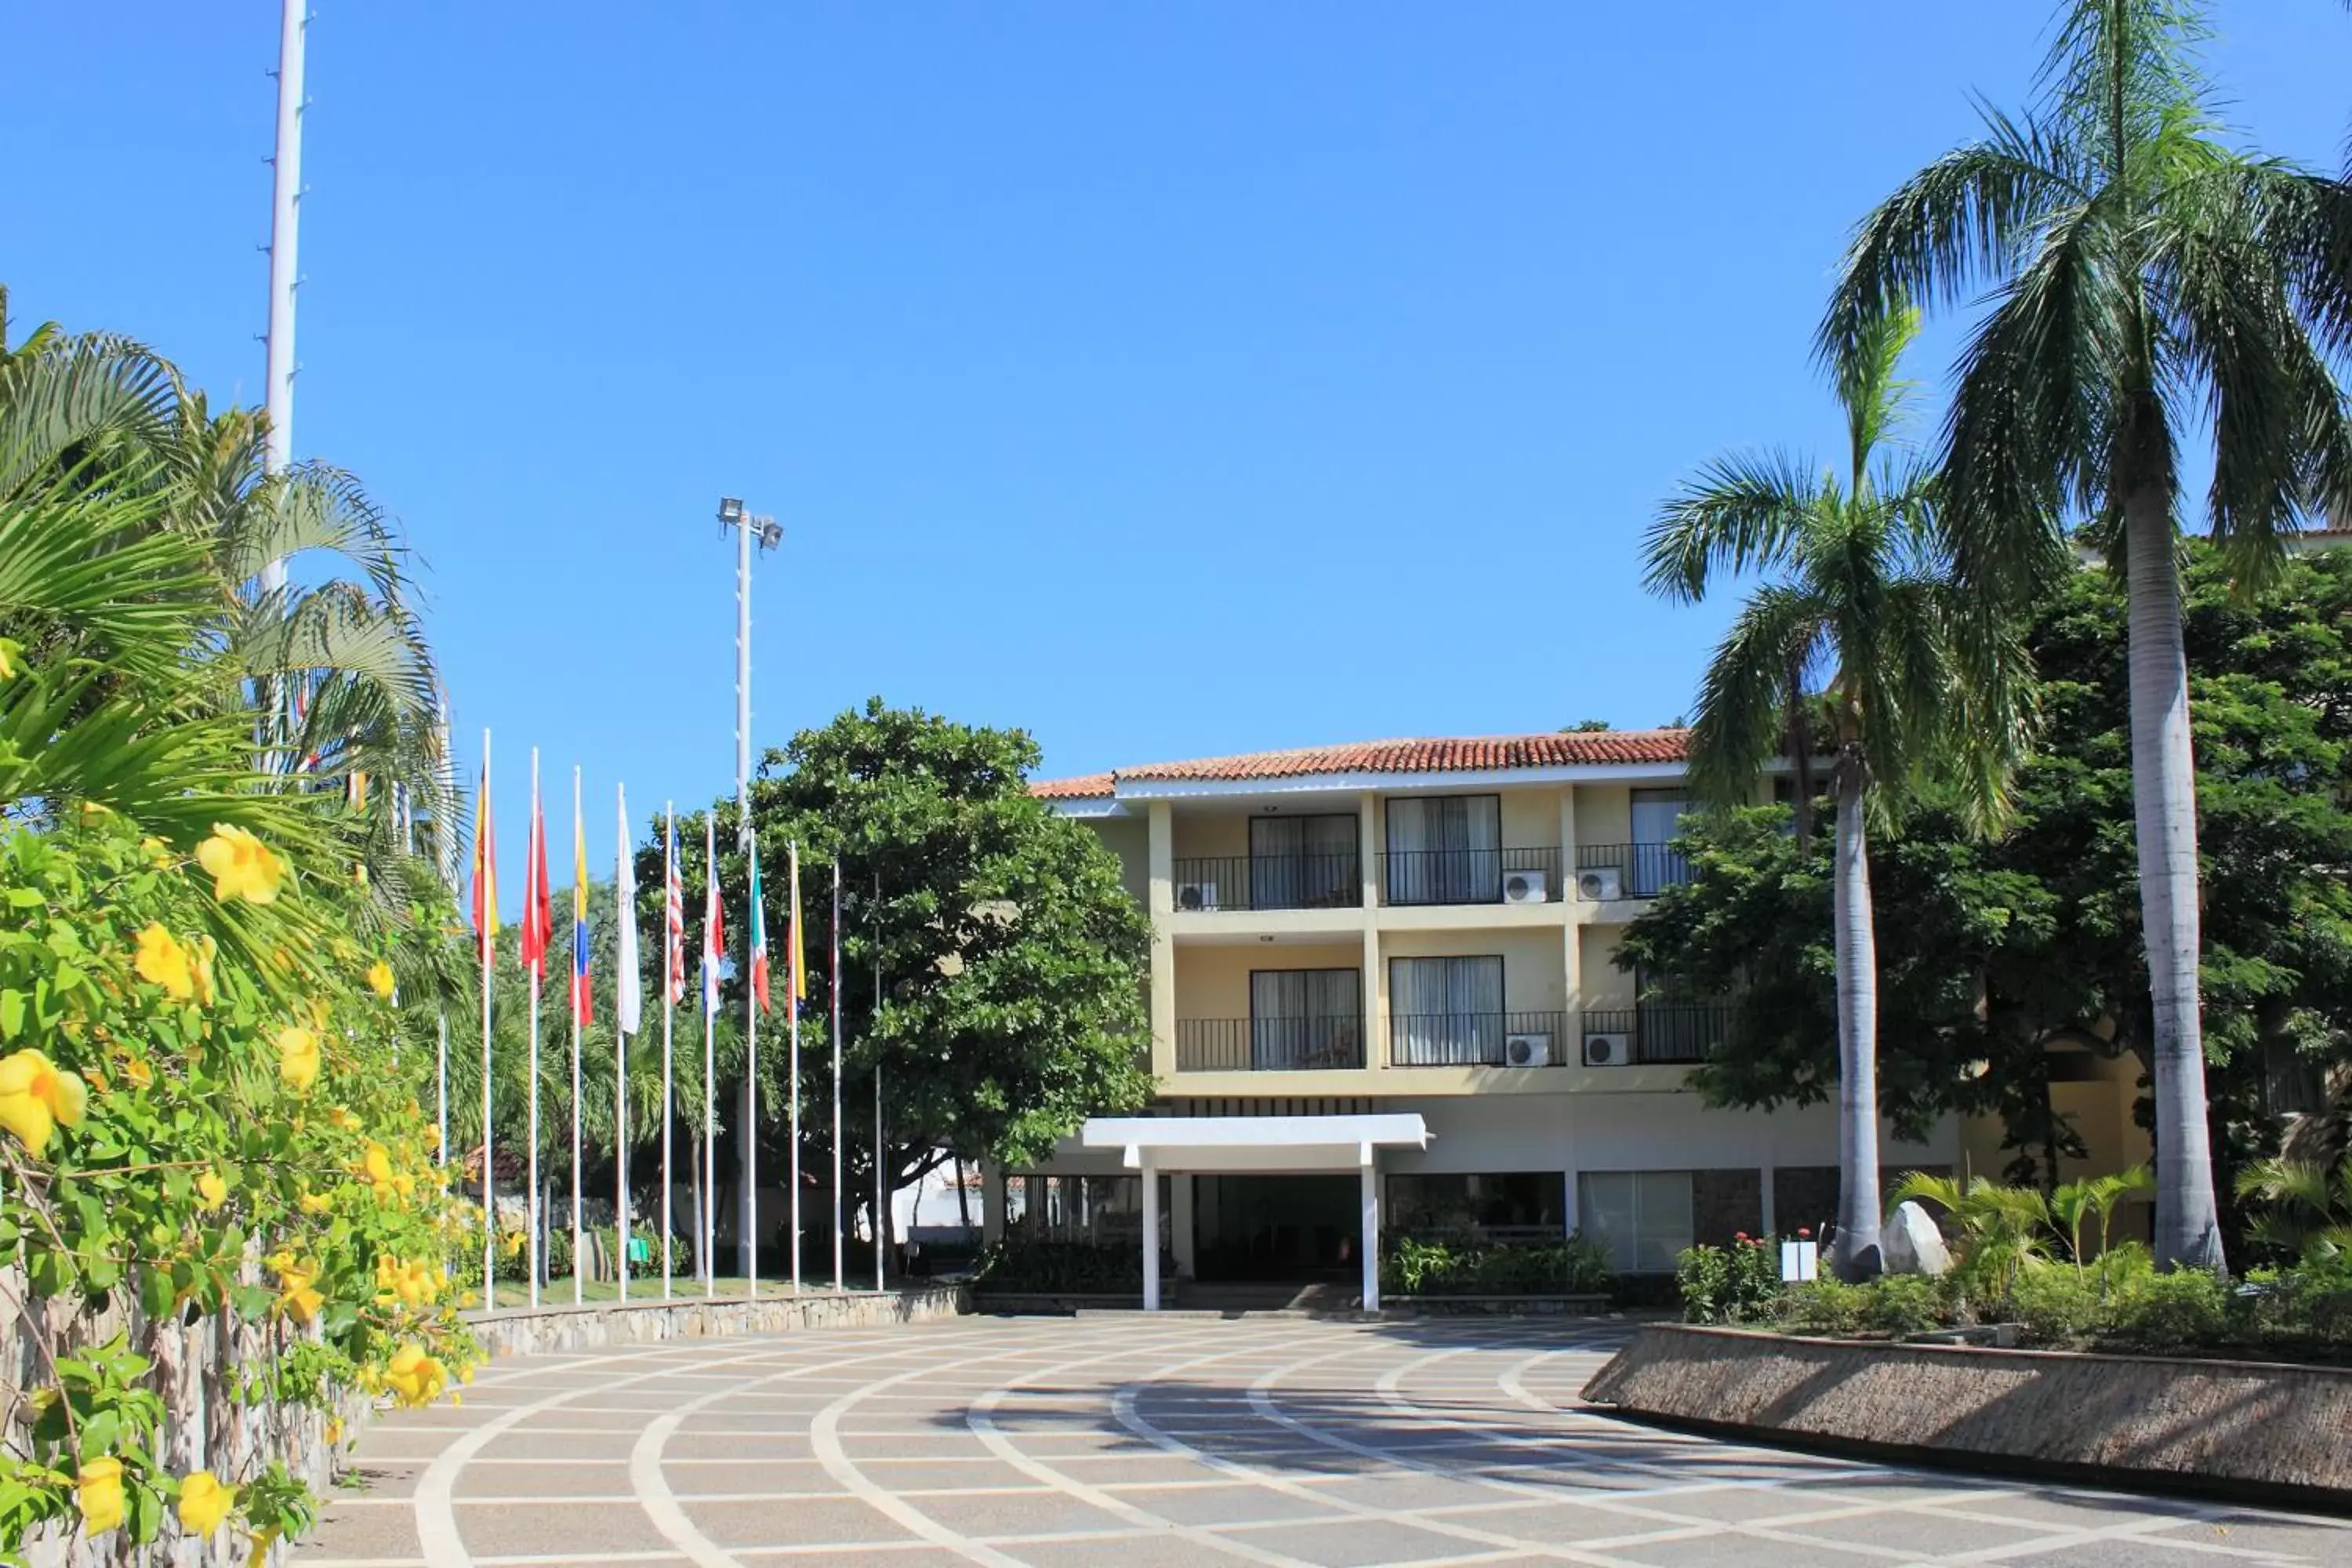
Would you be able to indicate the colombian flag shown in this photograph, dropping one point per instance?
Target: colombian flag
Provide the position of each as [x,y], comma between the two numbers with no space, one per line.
[538,918]
[583,994]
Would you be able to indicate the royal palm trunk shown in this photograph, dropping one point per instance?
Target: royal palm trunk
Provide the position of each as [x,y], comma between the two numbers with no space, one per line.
[1855,1255]
[2164,806]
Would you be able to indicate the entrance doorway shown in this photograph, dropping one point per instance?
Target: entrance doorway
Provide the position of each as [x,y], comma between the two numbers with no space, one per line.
[1277,1228]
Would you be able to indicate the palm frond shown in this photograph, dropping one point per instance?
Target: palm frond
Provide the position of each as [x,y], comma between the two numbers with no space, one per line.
[1740,514]
[1744,697]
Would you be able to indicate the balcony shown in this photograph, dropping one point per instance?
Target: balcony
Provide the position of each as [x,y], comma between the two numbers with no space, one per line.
[1658,1033]
[1332,881]
[1269,1045]
[1476,1039]
[1409,877]
[1608,871]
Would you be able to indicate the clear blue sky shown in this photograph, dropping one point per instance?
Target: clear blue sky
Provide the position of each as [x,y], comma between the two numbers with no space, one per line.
[1165,379]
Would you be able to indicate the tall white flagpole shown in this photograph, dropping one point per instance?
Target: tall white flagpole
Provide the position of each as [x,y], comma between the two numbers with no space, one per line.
[755,922]
[792,1008]
[840,1277]
[579,941]
[874,1031]
[441,1100]
[673,919]
[482,936]
[532,894]
[710,1065]
[627,1015]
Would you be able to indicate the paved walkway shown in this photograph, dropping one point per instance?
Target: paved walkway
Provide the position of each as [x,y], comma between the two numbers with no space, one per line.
[1186,1442]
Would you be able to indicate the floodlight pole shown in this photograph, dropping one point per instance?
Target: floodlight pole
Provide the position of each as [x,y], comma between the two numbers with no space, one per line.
[732,514]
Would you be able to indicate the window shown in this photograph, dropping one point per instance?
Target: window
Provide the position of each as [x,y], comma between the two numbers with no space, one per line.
[1446,849]
[1305,863]
[1657,818]
[1101,1210]
[1305,1018]
[1501,1204]
[1642,1217]
[1445,1011]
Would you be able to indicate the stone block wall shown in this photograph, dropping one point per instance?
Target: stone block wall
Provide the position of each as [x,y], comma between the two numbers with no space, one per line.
[597,1325]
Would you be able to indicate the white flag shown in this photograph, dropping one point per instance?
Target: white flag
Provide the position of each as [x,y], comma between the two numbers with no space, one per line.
[624,888]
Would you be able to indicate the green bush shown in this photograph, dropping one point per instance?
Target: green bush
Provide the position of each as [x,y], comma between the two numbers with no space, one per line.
[1735,1284]
[2059,1305]
[1575,1267]
[1063,1267]
[1827,1305]
[1908,1304]
[2170,1312]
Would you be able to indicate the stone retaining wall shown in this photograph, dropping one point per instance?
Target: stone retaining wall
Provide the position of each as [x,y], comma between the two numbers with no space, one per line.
[523,1330]
[2242,1428]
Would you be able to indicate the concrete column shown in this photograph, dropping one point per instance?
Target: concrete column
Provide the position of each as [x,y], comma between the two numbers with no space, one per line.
[1180,1222]
[1162,860]
[1571,931]
[1568,1198]
[1764,1175]
[1368,849]
[1151,1235]
[991,1203]
[1376,1034]
[1371,1243]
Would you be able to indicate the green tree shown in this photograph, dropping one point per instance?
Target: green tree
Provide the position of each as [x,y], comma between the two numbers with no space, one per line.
[1011,957]
[1991,952]
[2147,277]
[1858,607]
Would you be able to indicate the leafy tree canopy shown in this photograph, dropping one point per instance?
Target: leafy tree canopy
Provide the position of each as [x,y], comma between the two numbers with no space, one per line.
[1990,951]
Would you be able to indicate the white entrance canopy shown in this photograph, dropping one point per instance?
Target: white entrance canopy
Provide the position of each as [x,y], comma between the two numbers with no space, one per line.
[1157,1145]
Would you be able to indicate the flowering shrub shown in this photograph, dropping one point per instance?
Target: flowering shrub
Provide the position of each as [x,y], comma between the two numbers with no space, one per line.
[1575,1267]
[1735,1284]
[200,1113]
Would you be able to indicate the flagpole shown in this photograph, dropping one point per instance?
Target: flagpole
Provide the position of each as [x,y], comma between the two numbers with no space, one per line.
[840,1280]
[623,960]
[792,1011]
[710,1238]
[579,941]
[441,1097]
[751,929]
[669,1010]
[531,895]
[485,921]
[874,1033]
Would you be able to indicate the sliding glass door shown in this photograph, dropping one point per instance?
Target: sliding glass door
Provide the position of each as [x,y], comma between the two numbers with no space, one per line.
[1305,862]
[1446,849]
[1305,1019]
[1445,1011]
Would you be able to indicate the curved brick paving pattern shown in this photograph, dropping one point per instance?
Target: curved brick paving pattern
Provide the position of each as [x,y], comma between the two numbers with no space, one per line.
[1181,1441]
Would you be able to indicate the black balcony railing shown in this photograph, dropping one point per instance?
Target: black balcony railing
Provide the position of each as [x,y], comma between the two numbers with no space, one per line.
[1268,1045]
[1476,1039]
[1605,871]
[1332,881]
[1470,875]
[1663,1031]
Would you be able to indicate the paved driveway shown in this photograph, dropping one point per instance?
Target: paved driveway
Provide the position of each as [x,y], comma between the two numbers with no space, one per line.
[1188,1442]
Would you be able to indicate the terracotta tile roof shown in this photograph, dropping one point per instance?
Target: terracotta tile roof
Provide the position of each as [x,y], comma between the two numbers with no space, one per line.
[1476,753]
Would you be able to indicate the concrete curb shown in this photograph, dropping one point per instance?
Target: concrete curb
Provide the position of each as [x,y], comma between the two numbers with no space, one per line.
[597,1325]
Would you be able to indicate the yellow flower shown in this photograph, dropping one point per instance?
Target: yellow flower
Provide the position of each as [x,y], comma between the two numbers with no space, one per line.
[205,1502]
[138,1074]
[377,1163]
[211,1191]
[296,1297]
[334,1429]
[380,979]
[344,1118]
[316,1203]
[417,1378]
[260,1556]
[98,1493]
[11,658]
[37,1097]
[241,865]
[206,950]
[298,1057]
[164,962]
[358,874]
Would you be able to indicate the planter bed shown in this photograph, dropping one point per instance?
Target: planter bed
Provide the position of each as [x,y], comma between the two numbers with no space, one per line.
[1051,1303]
[2238,1429]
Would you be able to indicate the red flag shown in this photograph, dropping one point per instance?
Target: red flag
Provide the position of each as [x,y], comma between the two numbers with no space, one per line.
[759,936]
[714,925]
[538,909]
[674,912]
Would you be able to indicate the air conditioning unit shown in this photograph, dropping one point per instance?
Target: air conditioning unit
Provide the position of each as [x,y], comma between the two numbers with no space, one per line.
[1600,885]
[1525,888]
[1196,895]
[1526,1050]
[1607,1050]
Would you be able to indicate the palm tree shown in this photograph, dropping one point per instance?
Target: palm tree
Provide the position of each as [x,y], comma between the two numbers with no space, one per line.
[1857,614]
[2145,277]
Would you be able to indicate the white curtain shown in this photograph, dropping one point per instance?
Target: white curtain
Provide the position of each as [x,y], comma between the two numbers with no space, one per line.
[1303,862]
[1445,1011]
[1305,1018]
[1446,849]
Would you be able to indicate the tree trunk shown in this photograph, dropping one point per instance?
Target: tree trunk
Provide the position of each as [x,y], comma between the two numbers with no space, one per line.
[963,1197]
[1855,1256]
[2164,808]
